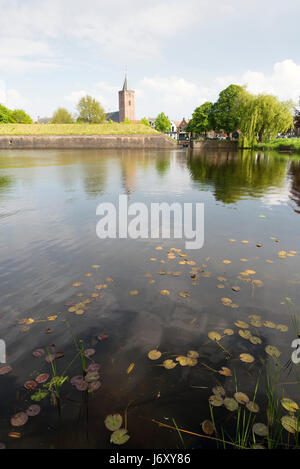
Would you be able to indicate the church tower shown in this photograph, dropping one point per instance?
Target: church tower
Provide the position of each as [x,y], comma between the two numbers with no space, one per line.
[126,103]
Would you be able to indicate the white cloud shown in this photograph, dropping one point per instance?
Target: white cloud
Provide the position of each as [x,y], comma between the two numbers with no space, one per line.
[11,98]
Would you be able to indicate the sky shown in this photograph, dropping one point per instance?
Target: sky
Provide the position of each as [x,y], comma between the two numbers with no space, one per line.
[178,54]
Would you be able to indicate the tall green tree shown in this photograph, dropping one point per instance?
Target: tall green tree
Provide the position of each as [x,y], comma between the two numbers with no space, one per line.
[90,111]
[262,117]
[201,121]
[5,115]
[62,116]
[225,114]
[162,123]
[21,117]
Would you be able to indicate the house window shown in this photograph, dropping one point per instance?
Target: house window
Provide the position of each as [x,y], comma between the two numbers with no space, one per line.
[129,103]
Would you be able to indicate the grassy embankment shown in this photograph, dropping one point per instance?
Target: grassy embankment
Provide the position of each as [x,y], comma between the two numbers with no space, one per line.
[76,129]
[280,144]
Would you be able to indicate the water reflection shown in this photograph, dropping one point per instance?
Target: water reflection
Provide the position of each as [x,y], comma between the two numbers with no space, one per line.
[236,176]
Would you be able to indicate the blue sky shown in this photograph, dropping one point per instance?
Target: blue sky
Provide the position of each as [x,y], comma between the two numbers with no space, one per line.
[178,53]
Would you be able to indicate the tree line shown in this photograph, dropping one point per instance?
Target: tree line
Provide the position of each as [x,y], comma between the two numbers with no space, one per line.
[238,113]
[18,116]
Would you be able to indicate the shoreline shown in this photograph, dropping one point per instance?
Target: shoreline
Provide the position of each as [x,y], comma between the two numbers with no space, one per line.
[152,141]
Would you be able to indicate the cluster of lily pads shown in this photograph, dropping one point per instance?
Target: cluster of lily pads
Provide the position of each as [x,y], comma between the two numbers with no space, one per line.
[113,423]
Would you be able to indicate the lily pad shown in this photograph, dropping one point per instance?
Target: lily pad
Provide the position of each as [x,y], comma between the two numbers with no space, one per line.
[230,404]
[208,427]
[290,423]
[216,401]
[154,354]
[252,406]
[30,385]
[255,340]
[246,358]
[246,334]
[241,397]
[19,419]
[241,324]
[260,429]
[218,390]
[225,371]
[228,332]
[289,405]
[213,335]
[33,410]
[42,378]
[119,437]
[272,351]
[282,328]
[5,369]
[169,364]
[113,422]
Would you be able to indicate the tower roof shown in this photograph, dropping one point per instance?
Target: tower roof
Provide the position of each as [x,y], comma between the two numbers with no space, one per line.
[125,86]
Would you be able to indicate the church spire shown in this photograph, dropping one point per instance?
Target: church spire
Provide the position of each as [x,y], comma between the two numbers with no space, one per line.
[125,86]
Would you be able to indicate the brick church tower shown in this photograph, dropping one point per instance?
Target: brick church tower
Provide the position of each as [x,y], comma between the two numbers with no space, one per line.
[126,103]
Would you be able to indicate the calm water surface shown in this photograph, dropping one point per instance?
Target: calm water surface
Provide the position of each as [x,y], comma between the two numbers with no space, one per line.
[48,241]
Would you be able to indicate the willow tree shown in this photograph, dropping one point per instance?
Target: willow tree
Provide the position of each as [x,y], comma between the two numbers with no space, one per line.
[262,117]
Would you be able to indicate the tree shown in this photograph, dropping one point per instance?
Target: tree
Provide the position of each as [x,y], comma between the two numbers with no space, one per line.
[225,114]
[262,117]
[5,115]
[21,117]
[201,121]
[145,121]
[62,116]
[90,111]
[162,123]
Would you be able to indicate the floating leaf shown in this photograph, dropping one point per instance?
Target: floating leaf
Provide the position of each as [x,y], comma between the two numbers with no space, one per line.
[94,386]
[225,371]
[241,397]
[183,294]
[252,406]
[30,385]
[76,284]
[5,369]
[256,322]
[226,301]
[260,429]
[216,401]
[236,289]
[169,364]
[102,337]
[246,334]
[42,378]
[182,360]
[130,368]
[226,261]
[19,419]
[208,427]
[241,324]
[228,332]
[218,390]
[257,283]
[89,352]
[164,292]
[255,340]
[14,435]
[92,376]
[222,279]
[95,266]
[272,351]
[213,335]
[289,405]
[230,404]
[246,358]
[282,328]
[133,292]
[193,354]
[113,422]
[33,410]
[154,354]
[119,437]
[290,423]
